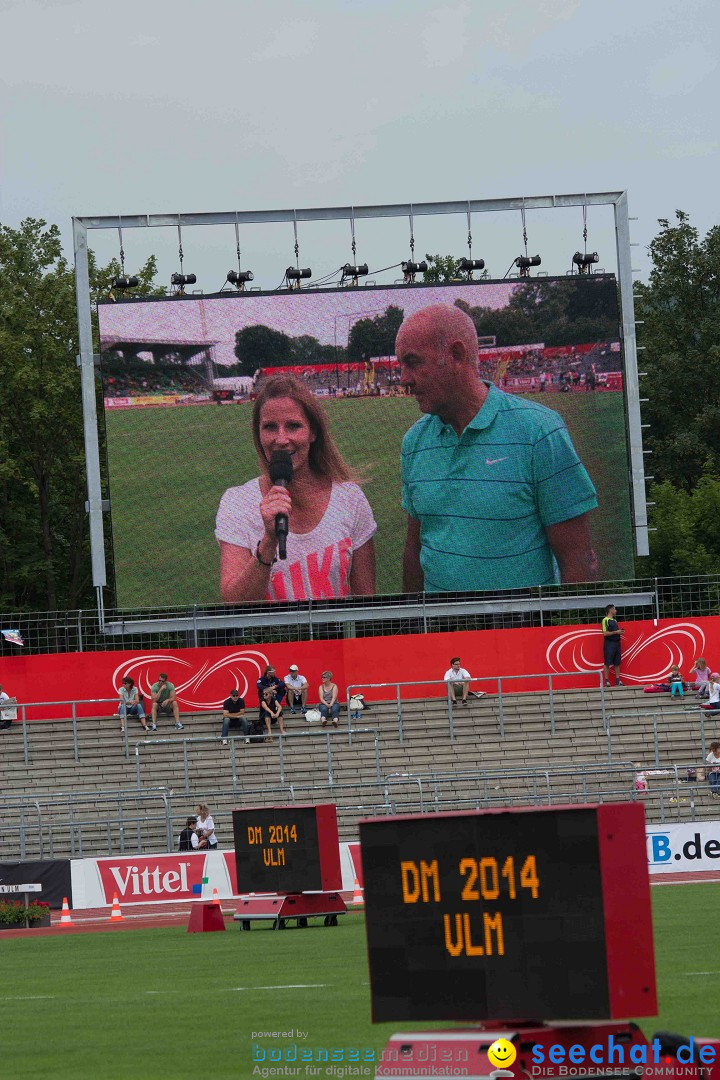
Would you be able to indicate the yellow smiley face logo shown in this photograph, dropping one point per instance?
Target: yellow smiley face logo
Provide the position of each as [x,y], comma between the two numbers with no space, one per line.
[501,1054]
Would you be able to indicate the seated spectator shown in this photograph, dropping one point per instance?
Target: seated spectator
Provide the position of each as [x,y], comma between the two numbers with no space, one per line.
[267,679]
[676,682]
[713,701]
[713,769]
[206,828]
[271,711]
[130,703]
[296,688]
[234,716]
[702,677]
[164,700]
[7,715]
[189,837]
[458,680]
[328,695]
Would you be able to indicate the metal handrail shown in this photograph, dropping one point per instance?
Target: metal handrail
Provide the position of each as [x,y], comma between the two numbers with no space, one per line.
[496,680]
[188,741]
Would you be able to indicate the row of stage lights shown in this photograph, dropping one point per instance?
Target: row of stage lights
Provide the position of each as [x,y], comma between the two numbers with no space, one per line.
[350,274]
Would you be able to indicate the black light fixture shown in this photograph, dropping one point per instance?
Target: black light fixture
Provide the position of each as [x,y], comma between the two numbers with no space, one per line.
[585,261]
[354,272]
[123,281]
[466,266]
[410,269]
[239,278]
[181,279]
[524,262]
[296,274]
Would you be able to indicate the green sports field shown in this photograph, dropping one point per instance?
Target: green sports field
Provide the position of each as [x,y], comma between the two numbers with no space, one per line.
[170,466]
[166,1005]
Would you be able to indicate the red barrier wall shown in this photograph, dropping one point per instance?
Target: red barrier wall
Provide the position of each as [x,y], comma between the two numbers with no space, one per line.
[204,677]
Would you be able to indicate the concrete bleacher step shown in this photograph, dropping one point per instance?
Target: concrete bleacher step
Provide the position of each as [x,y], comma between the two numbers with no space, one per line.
[359,781]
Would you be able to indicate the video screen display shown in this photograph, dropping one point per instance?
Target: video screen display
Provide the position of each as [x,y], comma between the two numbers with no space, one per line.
[481,447]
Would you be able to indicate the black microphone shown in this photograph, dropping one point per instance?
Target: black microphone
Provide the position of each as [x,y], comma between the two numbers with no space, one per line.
[281,470]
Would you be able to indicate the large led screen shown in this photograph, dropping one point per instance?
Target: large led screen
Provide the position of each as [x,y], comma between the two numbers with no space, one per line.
[491,455]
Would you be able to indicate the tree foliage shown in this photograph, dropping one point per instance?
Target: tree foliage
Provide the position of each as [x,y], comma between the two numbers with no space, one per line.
[565,312]
[44,547]
[374,336]
[679,312]
[260,346]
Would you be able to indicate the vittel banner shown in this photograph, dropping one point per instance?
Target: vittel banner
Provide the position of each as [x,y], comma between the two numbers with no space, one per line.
[157,877]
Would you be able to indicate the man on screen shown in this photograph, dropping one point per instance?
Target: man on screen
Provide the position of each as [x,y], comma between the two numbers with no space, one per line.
[496,495]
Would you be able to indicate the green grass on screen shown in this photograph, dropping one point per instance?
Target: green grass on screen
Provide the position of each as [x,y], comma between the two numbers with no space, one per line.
[170,466]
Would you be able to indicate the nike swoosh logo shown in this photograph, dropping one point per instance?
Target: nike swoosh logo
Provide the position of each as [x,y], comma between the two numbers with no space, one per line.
[494,461]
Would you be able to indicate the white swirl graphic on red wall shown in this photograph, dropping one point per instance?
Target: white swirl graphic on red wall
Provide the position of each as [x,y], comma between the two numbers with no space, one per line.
[644,659]
[206,688]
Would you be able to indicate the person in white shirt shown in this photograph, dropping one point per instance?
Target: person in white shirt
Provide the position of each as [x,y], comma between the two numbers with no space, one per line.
[330,545]
[6,715]
[206,826]
[297,689]
[713,769]
[459,680]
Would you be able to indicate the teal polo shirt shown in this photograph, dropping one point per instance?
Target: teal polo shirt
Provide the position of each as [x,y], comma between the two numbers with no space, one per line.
[485,498]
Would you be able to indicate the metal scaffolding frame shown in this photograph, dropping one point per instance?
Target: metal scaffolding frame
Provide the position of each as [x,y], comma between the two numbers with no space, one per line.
[82,225]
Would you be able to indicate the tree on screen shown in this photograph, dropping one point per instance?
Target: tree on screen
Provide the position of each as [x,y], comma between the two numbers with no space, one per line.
[260,346]
[374,336]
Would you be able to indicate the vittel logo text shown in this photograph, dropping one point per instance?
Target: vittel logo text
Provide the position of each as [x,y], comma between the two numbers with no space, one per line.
[133,881]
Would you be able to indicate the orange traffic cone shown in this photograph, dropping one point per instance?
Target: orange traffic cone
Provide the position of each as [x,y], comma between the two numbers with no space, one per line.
[65,919]
[358,897]
[216,898]
[116,913]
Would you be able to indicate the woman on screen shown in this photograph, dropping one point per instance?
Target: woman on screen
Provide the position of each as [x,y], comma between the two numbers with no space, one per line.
[330,547]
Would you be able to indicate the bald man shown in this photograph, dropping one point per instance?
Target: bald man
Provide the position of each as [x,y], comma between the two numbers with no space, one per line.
[496,495]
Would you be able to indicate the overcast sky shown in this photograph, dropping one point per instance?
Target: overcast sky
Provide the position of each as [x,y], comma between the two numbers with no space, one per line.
[143,107]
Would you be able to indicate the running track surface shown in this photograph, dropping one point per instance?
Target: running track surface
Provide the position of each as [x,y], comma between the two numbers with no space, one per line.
[135,916]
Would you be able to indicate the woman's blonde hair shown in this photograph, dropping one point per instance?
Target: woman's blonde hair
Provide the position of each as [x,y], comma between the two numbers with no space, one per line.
[324,457]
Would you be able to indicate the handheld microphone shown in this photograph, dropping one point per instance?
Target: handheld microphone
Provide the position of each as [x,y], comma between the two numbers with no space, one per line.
[281,470]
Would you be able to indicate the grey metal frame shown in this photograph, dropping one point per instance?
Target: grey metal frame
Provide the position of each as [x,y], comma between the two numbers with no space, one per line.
[81,226]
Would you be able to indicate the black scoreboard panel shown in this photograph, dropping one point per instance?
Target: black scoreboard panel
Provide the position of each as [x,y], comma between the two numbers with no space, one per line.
[282,849]
[485,916]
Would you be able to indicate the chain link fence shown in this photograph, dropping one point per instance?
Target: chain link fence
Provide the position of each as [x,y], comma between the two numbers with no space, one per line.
[176,628]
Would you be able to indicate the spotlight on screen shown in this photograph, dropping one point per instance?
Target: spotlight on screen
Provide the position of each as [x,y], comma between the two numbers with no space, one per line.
[122,283]
[354,272]
[524,262]
[179,281]
[584,262]
[295,274]
[239,278]
[466,266]
[410,269]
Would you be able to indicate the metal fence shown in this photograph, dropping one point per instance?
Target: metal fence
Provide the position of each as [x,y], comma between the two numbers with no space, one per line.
[496,684]
[173,628]
[132,822]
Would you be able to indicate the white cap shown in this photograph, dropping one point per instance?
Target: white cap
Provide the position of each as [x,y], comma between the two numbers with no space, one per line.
[293,667]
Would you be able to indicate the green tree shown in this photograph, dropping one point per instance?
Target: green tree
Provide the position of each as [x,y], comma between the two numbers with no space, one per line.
[260,346]
[441,269]
[44,547]
[679,311]
[374,336]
